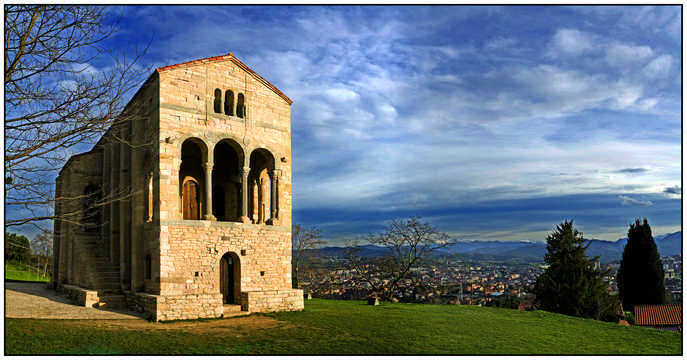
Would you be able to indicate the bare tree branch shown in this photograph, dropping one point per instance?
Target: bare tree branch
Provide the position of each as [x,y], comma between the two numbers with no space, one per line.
[65,85]
[303,239]
[407,242]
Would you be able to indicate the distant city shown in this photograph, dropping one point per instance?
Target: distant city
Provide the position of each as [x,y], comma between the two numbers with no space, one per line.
[480,277]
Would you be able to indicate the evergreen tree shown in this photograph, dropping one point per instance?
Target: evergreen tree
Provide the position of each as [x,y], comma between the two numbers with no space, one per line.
[573,283]
[640,276]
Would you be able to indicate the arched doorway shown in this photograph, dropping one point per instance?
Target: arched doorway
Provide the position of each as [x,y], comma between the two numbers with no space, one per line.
[230,278]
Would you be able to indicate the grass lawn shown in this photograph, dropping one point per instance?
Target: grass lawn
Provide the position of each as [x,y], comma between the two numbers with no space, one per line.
[23,272]
[346,327]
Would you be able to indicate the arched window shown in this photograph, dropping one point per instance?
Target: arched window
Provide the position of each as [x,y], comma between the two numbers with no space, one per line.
[91,219]
[226,180]
[240,106]
[262,203]
[218,101]
[229,103]
[191,178]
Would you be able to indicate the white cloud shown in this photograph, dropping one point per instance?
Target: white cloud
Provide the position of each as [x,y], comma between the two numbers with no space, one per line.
[622,55]
[659,68]
[549,91]
[341,94]
[570,42]
[69,85]
[84,69]
[500,43]
[627,95]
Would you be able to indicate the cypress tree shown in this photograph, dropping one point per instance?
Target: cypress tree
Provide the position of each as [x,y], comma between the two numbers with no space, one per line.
[640,276]
[572,284]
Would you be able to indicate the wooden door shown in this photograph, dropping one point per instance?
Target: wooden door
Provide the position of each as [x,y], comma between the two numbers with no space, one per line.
[191,198]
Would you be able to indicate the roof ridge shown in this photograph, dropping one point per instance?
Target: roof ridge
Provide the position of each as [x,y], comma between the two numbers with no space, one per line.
[229,56]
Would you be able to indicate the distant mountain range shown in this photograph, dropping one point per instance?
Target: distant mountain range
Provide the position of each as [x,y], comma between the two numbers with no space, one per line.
[608,251]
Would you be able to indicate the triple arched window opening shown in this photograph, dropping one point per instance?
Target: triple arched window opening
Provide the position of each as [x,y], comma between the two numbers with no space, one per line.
[229,108]
[222,189]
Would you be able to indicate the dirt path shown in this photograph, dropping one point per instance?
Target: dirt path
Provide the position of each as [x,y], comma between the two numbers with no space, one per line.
[34,300]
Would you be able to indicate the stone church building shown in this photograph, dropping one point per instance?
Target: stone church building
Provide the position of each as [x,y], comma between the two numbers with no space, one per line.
[182,210]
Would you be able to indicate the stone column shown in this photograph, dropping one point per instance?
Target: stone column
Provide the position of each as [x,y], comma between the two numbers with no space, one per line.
[244,195]
[114,192]
[106,208]
[274,181]
[137,181]
[125,205]
[208,191]
[58,254]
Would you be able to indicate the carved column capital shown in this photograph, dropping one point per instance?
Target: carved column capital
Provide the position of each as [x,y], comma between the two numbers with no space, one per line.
[274,174]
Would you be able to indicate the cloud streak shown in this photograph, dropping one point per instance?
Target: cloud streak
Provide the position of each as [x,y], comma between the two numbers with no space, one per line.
[626,200]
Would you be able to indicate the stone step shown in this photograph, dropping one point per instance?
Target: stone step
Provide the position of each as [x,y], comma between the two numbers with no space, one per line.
[101,285]
[231,310]
[110,301]
[108,286]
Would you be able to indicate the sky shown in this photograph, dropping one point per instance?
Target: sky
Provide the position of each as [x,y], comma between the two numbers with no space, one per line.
[491,123]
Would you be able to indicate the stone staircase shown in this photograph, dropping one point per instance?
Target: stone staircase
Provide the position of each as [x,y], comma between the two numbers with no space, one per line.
[105,277]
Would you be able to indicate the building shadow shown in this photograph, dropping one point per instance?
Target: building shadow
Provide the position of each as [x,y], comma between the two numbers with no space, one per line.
[41,289]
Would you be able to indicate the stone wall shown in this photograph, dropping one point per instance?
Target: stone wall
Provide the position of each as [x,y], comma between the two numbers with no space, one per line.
[190,253]
[182,307]
[272,300]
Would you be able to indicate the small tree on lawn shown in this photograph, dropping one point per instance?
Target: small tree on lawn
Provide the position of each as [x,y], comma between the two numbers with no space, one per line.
[572,284]
[640,276]
[303,239]
[42,248]
[408,243]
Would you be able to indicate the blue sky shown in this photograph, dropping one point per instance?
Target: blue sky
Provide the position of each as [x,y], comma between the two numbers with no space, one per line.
[492,123]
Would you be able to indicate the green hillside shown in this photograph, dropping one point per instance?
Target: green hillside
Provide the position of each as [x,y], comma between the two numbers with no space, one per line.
[345,327]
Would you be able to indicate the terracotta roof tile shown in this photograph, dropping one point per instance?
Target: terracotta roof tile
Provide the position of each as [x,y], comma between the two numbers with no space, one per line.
[658,314]
[237,62]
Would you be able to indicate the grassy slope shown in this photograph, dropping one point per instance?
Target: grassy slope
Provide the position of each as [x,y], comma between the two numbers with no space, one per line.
[349,327]
[23,272]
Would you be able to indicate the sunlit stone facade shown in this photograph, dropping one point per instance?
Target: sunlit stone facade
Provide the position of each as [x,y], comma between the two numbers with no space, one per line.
[183,207]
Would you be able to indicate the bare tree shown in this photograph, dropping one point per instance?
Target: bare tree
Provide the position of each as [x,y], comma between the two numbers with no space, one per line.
[407,244]
[65,83]
[303,239]
[42,249]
